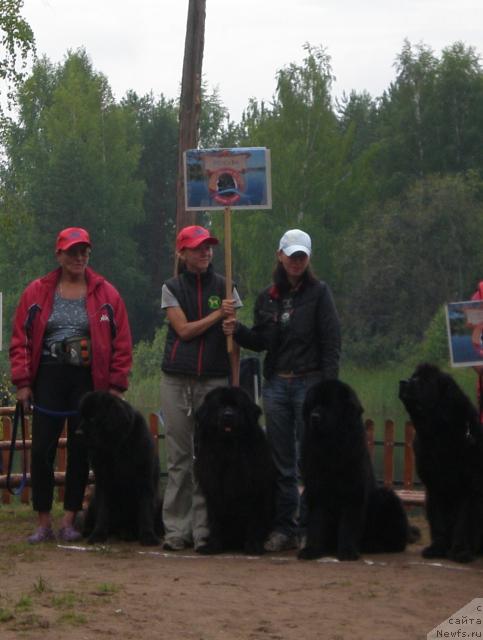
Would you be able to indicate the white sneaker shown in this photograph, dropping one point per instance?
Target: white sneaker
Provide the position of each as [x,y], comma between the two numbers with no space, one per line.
[278,541]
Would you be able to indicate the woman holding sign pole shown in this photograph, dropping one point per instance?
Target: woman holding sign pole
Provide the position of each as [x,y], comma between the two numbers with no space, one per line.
[296,323]
[195,362]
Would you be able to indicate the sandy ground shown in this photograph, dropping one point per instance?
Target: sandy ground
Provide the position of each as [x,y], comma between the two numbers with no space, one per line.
[126,591]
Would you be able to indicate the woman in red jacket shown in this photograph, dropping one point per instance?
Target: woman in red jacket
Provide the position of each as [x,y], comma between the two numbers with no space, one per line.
[70,335]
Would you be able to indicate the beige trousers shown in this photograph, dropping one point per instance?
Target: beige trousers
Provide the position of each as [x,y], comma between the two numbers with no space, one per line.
[184,508]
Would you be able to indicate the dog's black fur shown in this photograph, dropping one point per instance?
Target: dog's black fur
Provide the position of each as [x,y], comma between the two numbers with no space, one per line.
[347,513]
[126,501]
[448,448]
[235,472]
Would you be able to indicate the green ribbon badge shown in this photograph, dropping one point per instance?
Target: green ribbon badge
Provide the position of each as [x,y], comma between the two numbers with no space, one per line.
[214,302]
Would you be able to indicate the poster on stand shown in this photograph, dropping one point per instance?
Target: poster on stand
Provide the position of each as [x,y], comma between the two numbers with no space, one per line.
[464,322]
[238,178]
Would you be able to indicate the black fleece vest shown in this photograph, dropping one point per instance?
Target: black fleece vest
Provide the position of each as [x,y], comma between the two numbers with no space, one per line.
[206,355]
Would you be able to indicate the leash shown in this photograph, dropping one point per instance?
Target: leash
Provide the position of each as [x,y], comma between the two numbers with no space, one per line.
[55,414]
[19,416]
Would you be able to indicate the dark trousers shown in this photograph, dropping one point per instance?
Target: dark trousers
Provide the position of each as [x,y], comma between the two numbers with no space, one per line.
[58,387]
[283,400]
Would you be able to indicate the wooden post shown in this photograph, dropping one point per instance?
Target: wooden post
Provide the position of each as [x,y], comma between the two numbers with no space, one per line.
[231,346]
[408,456]
[228,273]
[388,453]
[7,436]
[369,424]
[190,102]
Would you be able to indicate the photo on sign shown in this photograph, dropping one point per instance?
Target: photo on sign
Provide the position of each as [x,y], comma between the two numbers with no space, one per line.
[238,178]
[464,322]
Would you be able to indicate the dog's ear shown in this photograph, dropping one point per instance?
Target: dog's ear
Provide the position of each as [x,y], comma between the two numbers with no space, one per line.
[356,404]
[462,406]
[87,405]
[245,404]
[202,414]
[210,402]
[309,402]
[253,410]
[119,412]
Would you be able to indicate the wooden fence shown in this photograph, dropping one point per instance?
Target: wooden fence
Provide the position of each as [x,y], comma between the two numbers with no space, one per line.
[6,420]
[408,490]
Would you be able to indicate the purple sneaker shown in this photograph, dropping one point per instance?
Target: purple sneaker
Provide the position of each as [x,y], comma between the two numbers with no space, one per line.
[41,534]
[69,534]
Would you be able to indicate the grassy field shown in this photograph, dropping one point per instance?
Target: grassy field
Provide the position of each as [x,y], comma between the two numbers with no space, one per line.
[377,390]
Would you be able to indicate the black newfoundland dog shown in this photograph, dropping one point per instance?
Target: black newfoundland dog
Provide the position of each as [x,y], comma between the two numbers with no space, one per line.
[448,448]
[126,501]
[347,513]
[235,472]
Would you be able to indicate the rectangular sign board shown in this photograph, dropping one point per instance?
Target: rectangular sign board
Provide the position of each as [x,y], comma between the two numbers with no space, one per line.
[238,178]
[464,322]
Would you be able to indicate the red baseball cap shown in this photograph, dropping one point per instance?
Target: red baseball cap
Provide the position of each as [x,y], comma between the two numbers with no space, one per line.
[70,236]
[191,237]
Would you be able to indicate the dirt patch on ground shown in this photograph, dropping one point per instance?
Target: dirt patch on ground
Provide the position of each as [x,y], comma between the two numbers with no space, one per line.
[127,591]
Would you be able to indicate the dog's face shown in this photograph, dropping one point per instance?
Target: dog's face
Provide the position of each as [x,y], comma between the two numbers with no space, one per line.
[331,407]
[424,390]
[432,397]
[105,419]
[227,413]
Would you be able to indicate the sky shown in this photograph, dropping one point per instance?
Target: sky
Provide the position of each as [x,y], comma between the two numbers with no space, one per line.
[139,44]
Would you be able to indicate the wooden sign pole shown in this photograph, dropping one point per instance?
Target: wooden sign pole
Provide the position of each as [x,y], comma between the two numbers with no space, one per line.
[231,346]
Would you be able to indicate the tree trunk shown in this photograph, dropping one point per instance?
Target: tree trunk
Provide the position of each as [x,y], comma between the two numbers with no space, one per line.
[190,102]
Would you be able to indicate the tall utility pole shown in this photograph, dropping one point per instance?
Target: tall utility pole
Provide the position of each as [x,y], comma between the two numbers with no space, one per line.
[190,102]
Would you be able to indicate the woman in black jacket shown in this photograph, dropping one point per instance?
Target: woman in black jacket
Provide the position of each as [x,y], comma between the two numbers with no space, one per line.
[296,323]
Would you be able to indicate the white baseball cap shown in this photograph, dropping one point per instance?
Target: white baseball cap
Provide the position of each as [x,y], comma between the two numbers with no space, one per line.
[295,240]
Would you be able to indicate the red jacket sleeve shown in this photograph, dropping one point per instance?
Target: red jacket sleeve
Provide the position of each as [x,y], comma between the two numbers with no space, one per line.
[20,346]
[121,357]
[478,294]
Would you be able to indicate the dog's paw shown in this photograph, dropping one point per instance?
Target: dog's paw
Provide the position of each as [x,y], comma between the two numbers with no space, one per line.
[460,555]
[209,548]
[254,548]
[96,537]
[149,539]
[128,535]
[349,553]
[434,551]
[309,553]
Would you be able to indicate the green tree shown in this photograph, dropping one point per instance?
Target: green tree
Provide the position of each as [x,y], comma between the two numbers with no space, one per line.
[457,109]
[405,119]
[430,119]
[309,167]
[18,43]
[403,262]
[157,121]
[72,161]
[434,347]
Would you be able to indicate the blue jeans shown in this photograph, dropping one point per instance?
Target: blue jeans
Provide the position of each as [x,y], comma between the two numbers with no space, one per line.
[283,399]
